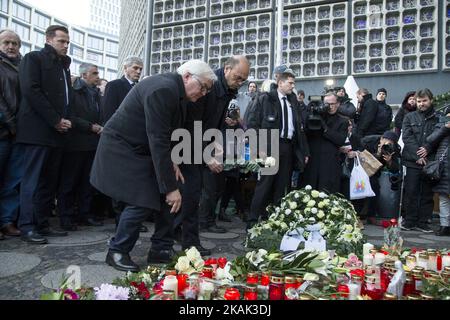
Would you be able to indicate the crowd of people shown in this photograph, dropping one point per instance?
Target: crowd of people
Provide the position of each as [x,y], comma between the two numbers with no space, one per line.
[80,146]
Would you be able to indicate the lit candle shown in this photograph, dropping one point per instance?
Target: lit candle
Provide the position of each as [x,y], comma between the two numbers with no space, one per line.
[445,261]
[379,258]
[368,260]
[366,248]
[206,288]
[171,284]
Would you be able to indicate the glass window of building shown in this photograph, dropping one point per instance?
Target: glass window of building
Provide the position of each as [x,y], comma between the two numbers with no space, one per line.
[25,48]
[111,75]
[76,51]
[21,12]
[75,67]
[112,47]
[39,37]
[111,62]
[21,30]
[42,21]
[4,5]
[77,37]
[94,57]
[3,23]
[101,72]
[95,43]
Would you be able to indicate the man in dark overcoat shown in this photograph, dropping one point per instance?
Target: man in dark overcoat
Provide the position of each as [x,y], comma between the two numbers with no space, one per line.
[43,121]
[133,162]
[278,110]
[323,171]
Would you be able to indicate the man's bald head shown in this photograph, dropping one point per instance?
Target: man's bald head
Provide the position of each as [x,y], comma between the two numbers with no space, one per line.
[237,69]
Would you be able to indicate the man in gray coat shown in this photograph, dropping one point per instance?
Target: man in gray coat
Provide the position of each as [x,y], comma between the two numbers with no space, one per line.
[133,161]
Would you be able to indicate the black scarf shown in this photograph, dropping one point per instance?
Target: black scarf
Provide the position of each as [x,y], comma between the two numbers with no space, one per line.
[14,61]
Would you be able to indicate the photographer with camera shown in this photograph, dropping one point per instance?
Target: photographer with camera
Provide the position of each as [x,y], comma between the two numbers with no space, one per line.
[326,132]
[385,149]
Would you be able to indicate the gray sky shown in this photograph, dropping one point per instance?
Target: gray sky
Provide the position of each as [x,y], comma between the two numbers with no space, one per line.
[72,11]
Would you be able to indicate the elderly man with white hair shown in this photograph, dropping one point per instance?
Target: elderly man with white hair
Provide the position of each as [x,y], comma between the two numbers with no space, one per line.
[133,162]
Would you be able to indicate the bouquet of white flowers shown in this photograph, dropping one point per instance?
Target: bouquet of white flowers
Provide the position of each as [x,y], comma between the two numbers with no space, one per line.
[335,215]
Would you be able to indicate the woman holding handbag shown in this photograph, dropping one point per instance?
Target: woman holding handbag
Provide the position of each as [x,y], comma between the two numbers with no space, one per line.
[439,140]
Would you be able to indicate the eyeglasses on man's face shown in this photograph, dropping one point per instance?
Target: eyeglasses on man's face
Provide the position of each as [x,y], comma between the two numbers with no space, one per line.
[203,86]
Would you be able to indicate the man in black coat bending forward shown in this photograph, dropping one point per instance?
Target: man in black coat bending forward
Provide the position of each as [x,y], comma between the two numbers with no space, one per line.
[133,165]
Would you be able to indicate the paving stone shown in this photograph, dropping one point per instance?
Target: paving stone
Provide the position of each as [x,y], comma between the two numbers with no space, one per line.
[418,240]
[13,263]
[205,244]
[80,238]
[98,257]
[91,276]
[228,235]
[373,231]
[238,230]
[239,246]
[436,238]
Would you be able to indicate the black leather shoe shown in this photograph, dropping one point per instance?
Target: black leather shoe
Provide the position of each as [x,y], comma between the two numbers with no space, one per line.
[52,233]
[91,223]
[33,238]
[121,262]
[443,232]
[162,256]
[215,229]
[203,251]
[143,229]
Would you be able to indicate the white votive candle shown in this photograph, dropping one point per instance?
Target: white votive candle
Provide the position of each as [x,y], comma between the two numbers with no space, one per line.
[171,284]
[379,258]
[366,248]
[368,260]
[445,261]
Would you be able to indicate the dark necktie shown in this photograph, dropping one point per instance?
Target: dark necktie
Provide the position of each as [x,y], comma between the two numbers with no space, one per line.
[286,119]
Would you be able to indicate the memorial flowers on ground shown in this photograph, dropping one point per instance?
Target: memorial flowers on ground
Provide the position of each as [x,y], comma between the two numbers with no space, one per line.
[302,208]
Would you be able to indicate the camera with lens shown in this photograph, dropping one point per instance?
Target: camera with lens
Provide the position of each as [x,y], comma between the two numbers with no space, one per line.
[387,149]
[318,110]
[233,110]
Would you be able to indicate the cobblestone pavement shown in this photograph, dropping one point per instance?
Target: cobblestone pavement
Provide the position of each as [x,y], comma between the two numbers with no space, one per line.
[27,271]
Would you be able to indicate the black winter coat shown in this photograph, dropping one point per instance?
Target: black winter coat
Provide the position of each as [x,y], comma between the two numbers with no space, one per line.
[439,141]
[44,101]
[115,93]
[367,123]
[9,98]
[85,113]
[323,171]
[133,160]
[347,109]
[266,113]
[417,127]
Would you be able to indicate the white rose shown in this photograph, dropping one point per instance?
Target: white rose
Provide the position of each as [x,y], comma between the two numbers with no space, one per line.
[315,194]
[348,228]
[322,195]
[321,205]
[312,220]
[183,264]
[296,195]
[198,264]
[293,205]
[308,188]
[288,212]
[314,211]
[311,203]
[306,199]
[193,254]
[323,232]
[284,225]
[321,214]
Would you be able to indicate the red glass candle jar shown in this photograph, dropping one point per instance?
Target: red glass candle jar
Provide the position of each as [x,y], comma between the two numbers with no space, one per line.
[252,278]
[409,287]
[265,278]
[276,288]
[207,272]
[372,289]
[289,282]
[251,292]
[182,283]
[232,294]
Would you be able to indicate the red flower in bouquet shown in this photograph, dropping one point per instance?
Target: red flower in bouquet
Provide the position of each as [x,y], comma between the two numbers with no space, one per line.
[142,290]
[70,295]
[385,224]
[358,272]
[344,290]
[222,262]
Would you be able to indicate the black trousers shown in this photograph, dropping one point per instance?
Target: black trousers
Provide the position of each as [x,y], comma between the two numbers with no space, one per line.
[271,189]
[232,189]
[130,222]
[419,196]
[188,217]
[74,187]
[39,186]
[213,187]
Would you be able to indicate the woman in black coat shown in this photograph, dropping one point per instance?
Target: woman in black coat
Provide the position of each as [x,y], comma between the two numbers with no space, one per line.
[408,105]
[440,140]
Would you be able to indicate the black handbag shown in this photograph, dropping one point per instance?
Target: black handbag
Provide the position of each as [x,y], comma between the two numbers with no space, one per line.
[433,169]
